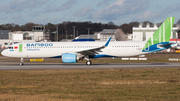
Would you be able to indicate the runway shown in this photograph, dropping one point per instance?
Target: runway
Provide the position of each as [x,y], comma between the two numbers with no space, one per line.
[58,66]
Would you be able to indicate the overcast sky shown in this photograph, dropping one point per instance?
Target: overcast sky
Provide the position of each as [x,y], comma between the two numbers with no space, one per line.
[104,11]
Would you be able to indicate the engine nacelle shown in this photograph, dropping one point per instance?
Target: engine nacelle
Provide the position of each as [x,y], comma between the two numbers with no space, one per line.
[177,47]
[69,58]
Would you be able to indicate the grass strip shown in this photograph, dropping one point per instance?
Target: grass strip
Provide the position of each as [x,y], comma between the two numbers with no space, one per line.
[160,84]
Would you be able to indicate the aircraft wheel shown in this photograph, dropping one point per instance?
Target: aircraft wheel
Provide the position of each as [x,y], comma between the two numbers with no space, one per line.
[88,63]
[21,64]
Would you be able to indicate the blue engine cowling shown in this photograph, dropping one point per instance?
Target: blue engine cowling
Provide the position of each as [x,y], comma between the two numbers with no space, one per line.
[69,58]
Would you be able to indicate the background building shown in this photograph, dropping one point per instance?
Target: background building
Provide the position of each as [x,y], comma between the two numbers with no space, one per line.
[143,33]
[36,35]
[4,34]
[105,34]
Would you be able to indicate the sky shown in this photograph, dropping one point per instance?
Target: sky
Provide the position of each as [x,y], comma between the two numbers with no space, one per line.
[103,11]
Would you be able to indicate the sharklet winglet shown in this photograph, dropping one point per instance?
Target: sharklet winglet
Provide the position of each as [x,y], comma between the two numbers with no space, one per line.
[107,43]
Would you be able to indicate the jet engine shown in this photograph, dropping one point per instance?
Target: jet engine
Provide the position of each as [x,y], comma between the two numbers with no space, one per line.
[70,58]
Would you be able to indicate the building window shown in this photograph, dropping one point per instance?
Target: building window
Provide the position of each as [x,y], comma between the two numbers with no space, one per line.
[174,35]
[144,36]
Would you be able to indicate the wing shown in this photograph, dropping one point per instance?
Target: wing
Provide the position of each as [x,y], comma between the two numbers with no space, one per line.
[94,50]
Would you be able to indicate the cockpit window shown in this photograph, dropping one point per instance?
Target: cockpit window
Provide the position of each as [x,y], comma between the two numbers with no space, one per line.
[12,43]
[10,48]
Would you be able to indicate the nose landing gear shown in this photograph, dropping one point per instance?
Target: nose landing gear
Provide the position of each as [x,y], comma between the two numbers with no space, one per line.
[21,62]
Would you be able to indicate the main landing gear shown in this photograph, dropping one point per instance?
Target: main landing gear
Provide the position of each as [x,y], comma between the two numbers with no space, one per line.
[21,62]
[88,62]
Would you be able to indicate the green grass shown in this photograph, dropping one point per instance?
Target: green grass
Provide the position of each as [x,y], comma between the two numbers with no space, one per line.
[117,61]
[158,84]
[151,58]
[99,60]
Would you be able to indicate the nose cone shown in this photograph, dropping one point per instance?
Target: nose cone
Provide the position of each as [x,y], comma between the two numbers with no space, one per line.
[4,53]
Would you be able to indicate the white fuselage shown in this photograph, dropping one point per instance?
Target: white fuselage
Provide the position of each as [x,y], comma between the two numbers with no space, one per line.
[56,49]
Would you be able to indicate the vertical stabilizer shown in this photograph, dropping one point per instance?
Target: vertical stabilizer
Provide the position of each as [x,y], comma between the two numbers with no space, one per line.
[161,36]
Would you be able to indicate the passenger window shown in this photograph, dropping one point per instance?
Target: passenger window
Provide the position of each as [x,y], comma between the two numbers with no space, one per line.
[5,43]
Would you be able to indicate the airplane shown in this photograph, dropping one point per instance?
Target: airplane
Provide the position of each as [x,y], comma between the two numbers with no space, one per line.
[72,52]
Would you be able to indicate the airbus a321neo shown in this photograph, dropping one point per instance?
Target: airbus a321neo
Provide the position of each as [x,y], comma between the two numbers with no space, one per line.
[71,52]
